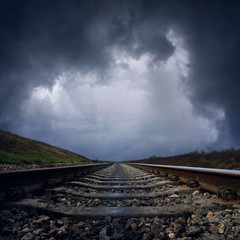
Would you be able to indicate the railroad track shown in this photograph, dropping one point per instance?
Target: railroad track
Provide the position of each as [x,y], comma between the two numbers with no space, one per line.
[121,201]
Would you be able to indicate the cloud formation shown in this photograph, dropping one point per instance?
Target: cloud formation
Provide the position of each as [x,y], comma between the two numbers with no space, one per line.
[121,80]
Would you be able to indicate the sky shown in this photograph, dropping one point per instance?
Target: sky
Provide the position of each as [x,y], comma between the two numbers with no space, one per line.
[120,80]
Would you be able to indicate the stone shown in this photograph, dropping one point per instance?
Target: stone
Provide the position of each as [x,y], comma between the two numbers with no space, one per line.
[237,229]
[237,205]
[80,224]
[196,193]
[174,196]
[134,227]
[213,219]
[28,236]
[105,233]
[117,236]
[171,235]
[196,217]
[209,214]
[37,231]
[135,202]
[221,228]
[193,231]
[26,229]
[213,229]
[129,223]
[236,211]
[9,221]
[42,220]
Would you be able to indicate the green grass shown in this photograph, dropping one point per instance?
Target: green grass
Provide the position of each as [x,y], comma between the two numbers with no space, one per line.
[204,163]
[18,150]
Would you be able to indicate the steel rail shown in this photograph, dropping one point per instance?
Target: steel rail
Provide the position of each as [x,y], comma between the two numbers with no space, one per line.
[34,178]
[210,179]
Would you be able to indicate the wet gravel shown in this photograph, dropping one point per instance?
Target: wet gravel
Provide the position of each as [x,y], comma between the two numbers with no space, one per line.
[224,224]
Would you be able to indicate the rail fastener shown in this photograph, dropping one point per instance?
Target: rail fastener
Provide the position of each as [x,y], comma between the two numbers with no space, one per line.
[225,183]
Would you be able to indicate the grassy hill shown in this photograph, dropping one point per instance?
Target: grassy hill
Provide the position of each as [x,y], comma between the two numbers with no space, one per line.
[19,150]
[226,159]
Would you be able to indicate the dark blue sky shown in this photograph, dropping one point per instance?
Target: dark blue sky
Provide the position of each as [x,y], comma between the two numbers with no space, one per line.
[121,80]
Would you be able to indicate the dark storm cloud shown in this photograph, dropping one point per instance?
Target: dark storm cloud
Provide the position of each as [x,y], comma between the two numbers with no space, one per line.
[41,39]
[211,30]
[211,33]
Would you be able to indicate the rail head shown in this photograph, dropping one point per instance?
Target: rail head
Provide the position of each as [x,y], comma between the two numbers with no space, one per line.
[34,178]
[225,172]
[51,169]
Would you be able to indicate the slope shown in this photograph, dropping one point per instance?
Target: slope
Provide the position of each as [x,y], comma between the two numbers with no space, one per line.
[15,149]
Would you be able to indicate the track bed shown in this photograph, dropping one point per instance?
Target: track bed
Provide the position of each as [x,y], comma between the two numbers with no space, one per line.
[120,202]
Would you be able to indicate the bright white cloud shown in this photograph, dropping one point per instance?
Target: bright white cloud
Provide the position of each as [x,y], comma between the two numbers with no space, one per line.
[135,110]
